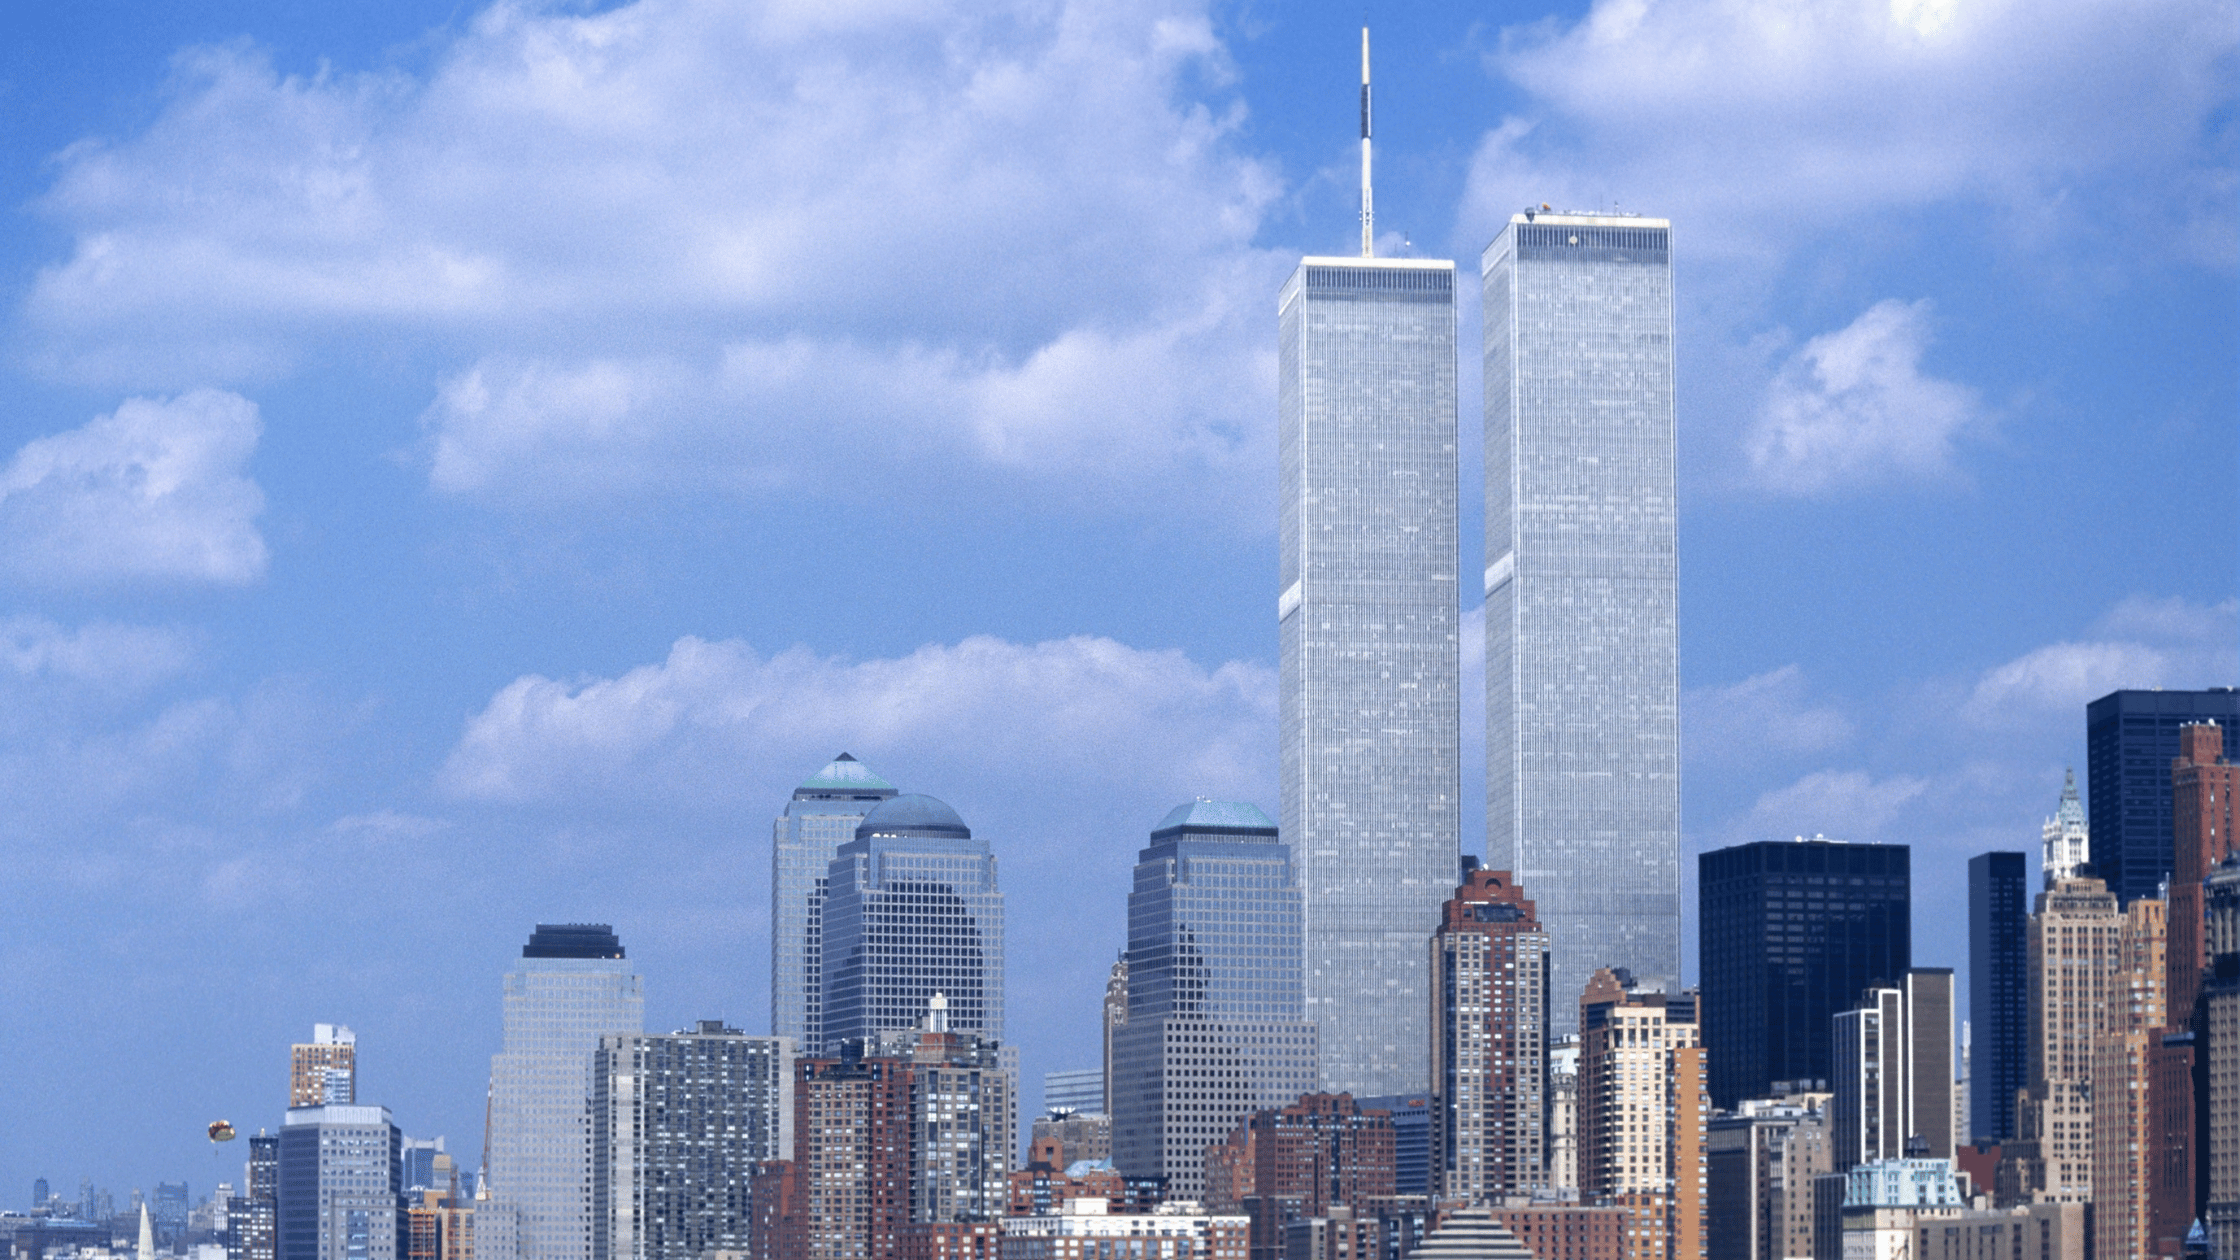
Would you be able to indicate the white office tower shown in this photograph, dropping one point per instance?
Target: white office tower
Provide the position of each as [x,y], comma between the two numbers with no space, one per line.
[572,988]
[1369,645]
[1582,593]
[1892,1072]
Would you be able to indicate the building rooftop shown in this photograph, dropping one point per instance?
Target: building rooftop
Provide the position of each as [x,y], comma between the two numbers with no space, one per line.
[1205,815]
[913,814]
[844,774]
[573,940]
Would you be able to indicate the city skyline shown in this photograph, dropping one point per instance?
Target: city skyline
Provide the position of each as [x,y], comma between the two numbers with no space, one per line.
[530,551]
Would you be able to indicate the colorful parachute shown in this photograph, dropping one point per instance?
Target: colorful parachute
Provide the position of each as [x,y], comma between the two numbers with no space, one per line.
[221,1130]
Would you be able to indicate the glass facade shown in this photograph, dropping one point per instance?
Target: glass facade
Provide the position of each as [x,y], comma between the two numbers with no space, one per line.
[1582,592]
[2131,737]
[1792,933]
[575,989]
[911,909]
[1998,991]
[1215,991]
[822,816]
[1368,631]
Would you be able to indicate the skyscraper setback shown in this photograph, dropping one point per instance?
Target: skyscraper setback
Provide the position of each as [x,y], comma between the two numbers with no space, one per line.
[1581,587]
[1369,643]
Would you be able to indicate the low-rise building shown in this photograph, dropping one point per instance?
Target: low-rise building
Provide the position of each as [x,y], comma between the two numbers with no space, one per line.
[1086,1229]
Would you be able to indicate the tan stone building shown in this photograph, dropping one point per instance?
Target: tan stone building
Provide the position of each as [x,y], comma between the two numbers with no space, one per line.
[1644,1114]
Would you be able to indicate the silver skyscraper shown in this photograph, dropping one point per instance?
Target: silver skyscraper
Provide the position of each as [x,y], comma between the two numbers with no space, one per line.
[1370,648]
[1582,648]
[820,818]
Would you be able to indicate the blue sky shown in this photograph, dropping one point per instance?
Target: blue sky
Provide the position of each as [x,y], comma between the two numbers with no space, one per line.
[463,466]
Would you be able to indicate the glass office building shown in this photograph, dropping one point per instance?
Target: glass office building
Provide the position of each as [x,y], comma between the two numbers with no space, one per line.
[572,988]
[822,816]
[1794,932]
[1370,649]
[2130,739]
[1215,991]
[1998,992]
[339,1176]
[1582,593]
[911,909]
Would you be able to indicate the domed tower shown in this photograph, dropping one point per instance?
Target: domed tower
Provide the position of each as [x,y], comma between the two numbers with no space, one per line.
[911,909]
[822,816]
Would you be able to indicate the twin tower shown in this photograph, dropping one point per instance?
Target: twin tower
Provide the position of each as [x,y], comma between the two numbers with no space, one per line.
[1581,617]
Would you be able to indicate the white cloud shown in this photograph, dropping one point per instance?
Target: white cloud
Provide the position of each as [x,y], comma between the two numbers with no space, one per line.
[2148,643]
[1756,123]
[1764,714]
[1852,409]
[1018,234]
[717,721]
[106,655]
[154,490]
[1841,804]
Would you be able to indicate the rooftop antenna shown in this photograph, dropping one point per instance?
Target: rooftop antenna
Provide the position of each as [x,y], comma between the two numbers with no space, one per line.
[1368,206]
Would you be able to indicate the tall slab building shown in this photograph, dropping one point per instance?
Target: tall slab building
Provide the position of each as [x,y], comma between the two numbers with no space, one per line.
[1582,592]
[1370,648]
[822,816]
[572,987]
[2131,738]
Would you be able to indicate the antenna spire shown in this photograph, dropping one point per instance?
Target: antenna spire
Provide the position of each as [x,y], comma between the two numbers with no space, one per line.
[1368,204]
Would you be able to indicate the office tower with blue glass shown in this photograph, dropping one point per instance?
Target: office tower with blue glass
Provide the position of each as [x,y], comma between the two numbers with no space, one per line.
[2130,739]
[1582,592]
[1792,933]
[911,909]
[1998,991]
[1369,644]
[1215,1027]
[572,987]
[822,816]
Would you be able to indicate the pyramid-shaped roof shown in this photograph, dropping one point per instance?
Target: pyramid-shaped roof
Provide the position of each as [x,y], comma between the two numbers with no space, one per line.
[845,774]
[1205,815]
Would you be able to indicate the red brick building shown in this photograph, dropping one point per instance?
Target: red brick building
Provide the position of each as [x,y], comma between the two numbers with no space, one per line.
[2202,785]
[1296,1162]
[1567,1231]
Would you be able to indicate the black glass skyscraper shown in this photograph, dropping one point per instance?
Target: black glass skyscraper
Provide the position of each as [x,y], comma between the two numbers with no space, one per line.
[1791,934]
[2130,739]
[1998,991]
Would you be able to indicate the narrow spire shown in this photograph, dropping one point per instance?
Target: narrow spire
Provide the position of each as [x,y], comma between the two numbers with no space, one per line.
[1368,205]
[147,1248]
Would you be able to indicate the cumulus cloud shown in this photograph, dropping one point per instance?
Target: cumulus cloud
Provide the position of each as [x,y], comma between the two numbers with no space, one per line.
[1853,409]
[1769,713]
[719,721]
[1756,123]
[2142,642]
[154,489]
[783,228]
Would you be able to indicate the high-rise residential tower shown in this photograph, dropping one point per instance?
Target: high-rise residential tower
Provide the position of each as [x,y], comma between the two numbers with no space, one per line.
[2217,1050]
[1645,1112]
[822,816]
[678,1124]
[572,988]
[911,909]
[1998,991]
[1582,589]
[324,1069]
[2131,738]
[1214,1029]
[1791,934]
[1489,1043]
[1368,630]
